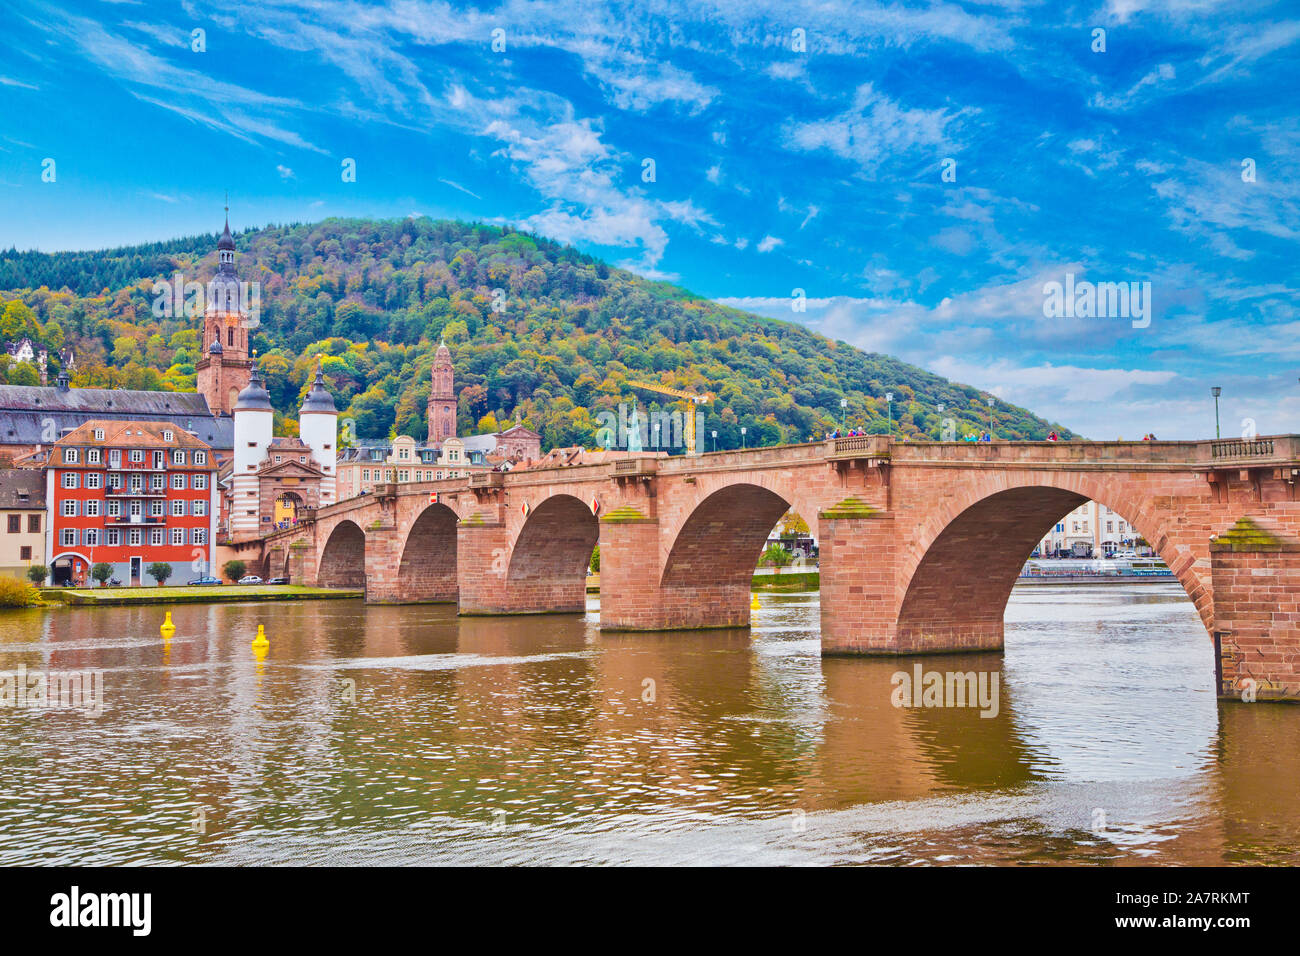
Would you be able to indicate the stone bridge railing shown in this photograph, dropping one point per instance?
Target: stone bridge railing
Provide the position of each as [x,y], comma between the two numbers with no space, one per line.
[1242,448]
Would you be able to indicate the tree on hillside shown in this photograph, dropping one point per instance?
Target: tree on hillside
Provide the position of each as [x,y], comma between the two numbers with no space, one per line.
[22,373]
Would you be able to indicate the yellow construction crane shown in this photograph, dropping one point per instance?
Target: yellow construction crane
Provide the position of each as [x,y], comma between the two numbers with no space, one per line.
[688,428]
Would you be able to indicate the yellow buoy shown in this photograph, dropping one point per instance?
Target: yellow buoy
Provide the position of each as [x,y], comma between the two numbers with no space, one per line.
[168,628]
[260,640]
[754,605]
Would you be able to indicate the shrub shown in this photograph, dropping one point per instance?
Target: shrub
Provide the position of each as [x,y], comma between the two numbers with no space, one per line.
[776,556]
[101,571]
[37,574]
[234,570]
[160,571]
[15,592]
[595,560]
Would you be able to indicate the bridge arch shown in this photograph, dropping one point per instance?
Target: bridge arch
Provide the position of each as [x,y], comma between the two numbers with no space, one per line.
[427,569]
[551,554]
[959,572]
[709,570]
[343,559]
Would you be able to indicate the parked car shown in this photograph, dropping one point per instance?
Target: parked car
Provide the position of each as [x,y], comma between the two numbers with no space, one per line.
[250,579]
[278,581]
[206,580]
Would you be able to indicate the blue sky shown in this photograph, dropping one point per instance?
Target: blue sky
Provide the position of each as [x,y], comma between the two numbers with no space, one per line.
[775,168]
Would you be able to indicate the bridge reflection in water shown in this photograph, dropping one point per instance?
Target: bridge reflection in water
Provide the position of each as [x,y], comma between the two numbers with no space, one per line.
[408,734]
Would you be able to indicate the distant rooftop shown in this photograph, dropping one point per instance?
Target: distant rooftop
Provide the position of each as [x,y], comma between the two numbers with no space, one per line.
[35,414]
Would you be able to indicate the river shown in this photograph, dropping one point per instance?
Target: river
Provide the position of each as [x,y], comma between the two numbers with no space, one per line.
[406,735]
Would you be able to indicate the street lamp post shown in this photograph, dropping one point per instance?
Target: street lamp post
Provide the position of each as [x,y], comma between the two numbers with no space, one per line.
[715,439]
[1216,392]
[889,411]
[940,407]
[990,401]
[742,436]
[844,403]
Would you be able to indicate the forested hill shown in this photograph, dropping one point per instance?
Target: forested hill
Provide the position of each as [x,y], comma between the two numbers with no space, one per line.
[374,298]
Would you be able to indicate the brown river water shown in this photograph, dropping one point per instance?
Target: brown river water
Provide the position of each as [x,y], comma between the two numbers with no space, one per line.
[407,735]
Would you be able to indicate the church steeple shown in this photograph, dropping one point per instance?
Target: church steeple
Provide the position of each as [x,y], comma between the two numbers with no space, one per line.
[224,369]
[442,397]
[226,248]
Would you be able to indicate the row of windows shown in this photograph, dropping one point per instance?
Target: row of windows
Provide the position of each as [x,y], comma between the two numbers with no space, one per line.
[93,479]
[405,475]
[33,524]
[405,455]
[71,508]
[95,456]
[1110,526]
[113,537]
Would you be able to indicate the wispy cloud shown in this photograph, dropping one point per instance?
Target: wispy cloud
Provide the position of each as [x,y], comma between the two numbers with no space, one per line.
[225,107]
[458,186]
[875,130]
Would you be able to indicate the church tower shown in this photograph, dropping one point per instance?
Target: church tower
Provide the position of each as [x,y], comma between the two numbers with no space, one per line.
[224,369]
[442,398]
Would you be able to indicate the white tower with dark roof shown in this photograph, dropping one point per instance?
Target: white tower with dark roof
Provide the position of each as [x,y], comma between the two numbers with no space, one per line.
[253,421]
[318,427]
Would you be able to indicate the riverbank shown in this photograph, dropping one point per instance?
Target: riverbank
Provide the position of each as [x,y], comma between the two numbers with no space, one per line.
[1036,579]
[218,594]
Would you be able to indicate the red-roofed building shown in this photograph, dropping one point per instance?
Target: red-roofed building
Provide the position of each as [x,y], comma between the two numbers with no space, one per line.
[129,494]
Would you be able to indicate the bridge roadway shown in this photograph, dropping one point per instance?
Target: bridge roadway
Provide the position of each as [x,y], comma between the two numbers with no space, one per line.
[921,542]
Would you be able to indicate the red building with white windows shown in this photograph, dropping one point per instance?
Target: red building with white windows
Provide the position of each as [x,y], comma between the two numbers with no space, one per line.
[129,494]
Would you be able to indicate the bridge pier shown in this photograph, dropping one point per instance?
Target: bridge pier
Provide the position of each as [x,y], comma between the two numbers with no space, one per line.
[1256,584]
[859,600]
[383,554]
[482,560]
[302,563]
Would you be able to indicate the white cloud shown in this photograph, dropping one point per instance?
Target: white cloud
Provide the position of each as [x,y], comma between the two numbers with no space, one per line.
[873,130]
[768,243]
[224,107]
[455,185]
[1139,92]
[955,240]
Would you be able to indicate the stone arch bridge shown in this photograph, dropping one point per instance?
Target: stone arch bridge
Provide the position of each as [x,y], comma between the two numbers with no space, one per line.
[921,543]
